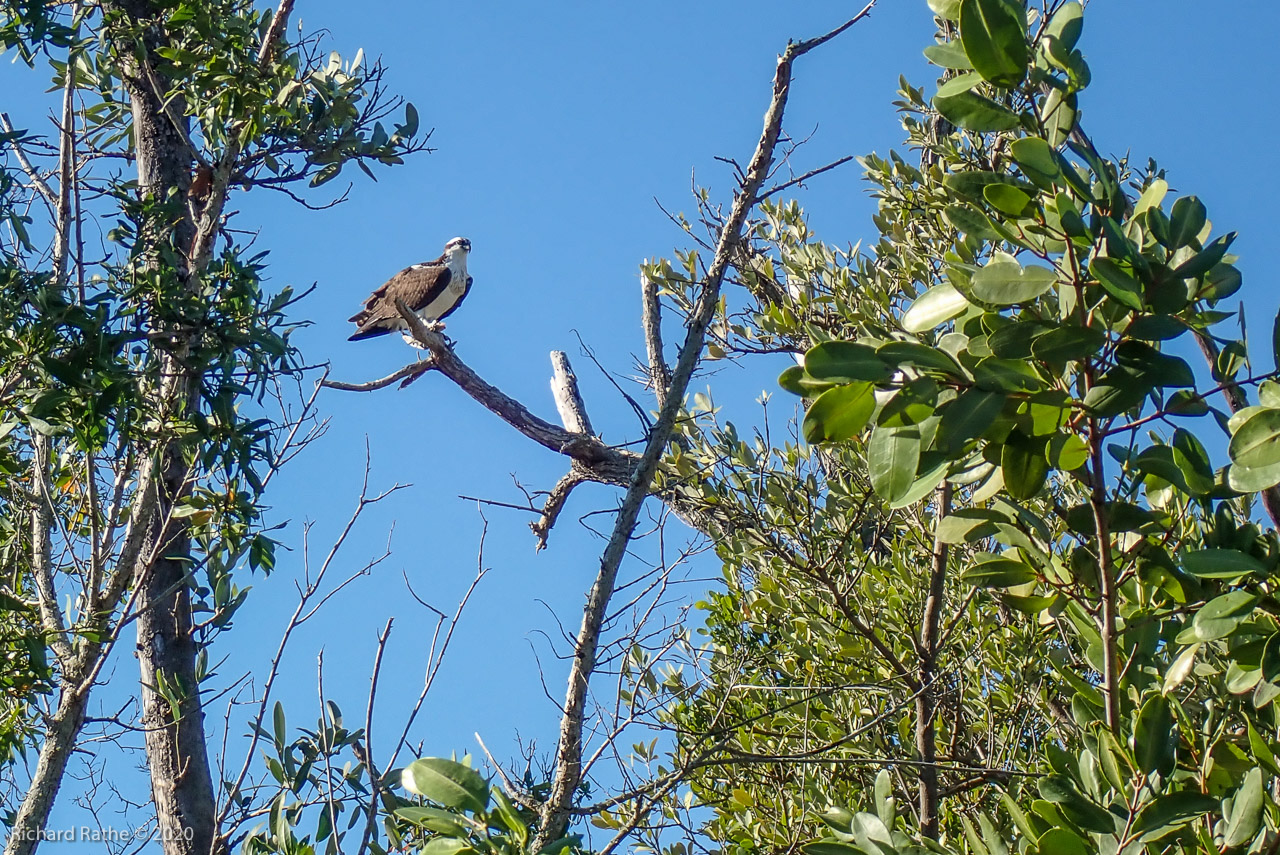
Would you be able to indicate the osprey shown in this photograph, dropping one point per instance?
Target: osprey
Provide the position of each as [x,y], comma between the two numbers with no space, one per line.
[432,290]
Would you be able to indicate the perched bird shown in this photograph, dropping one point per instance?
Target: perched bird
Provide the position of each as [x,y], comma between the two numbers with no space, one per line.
[432,290]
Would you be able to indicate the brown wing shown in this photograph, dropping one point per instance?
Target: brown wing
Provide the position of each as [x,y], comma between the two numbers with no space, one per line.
[417,286]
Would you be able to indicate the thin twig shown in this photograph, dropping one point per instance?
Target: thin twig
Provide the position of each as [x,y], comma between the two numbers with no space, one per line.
[803,178]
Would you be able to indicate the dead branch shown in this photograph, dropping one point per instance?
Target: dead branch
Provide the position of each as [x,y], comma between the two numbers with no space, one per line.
[564,389]
[651,320]
[568,775]
[555,503]
[812,173]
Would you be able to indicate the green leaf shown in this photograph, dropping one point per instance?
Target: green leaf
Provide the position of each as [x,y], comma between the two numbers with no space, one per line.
[1117,282]
[1180,669]
[840,413]
[1023,464]
[970,221]
[1059,790]
[929,360]
[440,821]
[967,525]
[1271,658]
[1008,200]
[326,174]
[970,184]
[1117,391]
[1068,344]
[914,402]
[447,783]
[1058,113]
[1220,563]
[976,113]
[1013,340]
[1154,736]
[278,724]
[1245,479]
[948,55]
[1169,812]
[1020,819]
[883,790]
[999,573]
[445,846]
[1067,24]
[1185,221]
[1061,841]
[1156,327]
[845,362]
[1037,160]
[510,817]
[1245,820]
[1220,617]
[1275,342]
[959,84]
[1222,281]
[1262,750]
[893,454]
[1006,375]
[797,382]
[923,485]
[1256,443]
[1193,461]
[948,9]
[1005,283]
[994,38]
[968,417]
[830,846]
[1205,260]
[939,304]
[1067,452]
[1151,197]
[1158,369]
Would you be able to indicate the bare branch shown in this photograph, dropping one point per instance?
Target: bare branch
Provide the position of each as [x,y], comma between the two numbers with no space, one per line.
[37,181]
[803,178]
[408,374]
[568,774]
[555,503]
[564,389]
[651,320]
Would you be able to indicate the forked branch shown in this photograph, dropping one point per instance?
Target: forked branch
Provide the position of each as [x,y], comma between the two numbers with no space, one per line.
[568,774]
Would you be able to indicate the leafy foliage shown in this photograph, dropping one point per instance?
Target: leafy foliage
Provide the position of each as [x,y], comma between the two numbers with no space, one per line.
[1004,415]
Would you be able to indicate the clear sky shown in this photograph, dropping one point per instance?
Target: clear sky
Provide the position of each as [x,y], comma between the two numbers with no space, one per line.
[557,126]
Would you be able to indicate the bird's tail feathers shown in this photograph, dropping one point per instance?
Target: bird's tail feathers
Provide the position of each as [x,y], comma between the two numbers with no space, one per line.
[372,332]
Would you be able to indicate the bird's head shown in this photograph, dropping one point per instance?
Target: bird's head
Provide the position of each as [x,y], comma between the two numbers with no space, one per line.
[457,246]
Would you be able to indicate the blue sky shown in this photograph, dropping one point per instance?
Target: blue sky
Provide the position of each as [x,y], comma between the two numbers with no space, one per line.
[557,126]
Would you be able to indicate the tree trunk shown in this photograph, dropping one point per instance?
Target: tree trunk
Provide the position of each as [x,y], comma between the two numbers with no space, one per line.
[59,742]
[172,711]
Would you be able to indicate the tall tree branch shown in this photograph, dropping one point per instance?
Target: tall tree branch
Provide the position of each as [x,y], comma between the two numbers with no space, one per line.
[556,811]
[927,701]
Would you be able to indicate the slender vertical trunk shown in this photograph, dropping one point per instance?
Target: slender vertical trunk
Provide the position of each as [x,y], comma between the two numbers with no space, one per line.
[1106,582]
[55,751]
[927,699]
[172,710]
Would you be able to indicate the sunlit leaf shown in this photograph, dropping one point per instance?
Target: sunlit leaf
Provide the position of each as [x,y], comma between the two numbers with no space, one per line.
[840,413]
[994,38]
[938,305]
